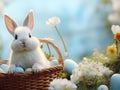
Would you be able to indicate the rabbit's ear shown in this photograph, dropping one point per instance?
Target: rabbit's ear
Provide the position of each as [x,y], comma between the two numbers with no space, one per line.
[29,20]
[10,24]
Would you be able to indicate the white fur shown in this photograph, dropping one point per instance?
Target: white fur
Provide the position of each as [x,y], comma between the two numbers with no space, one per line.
[26,51]
[29,56]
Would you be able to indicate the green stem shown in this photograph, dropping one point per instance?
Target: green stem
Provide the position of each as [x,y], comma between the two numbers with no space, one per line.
[96,83]
[117,48]
[84,84]
[61,38]
[49,50]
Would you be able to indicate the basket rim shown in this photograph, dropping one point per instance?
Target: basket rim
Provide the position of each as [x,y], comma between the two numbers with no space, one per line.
[57,67]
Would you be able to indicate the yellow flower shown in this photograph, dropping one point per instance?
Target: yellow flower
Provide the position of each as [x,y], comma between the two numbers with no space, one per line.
[111,50]
[65,88]
[106,1]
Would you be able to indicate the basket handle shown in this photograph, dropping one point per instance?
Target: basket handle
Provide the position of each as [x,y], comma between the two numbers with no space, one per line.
[3,61]
[60,59]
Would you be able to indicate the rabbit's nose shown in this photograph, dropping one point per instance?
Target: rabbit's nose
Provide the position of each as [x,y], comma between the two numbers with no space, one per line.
[23,43]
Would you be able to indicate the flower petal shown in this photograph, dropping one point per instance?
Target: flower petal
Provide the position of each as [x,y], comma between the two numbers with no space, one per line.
[115,29]
[53,21]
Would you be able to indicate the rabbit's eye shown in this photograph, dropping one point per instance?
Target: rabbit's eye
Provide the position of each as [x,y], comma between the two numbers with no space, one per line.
[16,37]
[29,35]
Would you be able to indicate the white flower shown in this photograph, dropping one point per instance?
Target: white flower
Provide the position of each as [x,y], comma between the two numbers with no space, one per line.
[115,29]
[53,21]
[62,84]
[1,5]
[116,5]
[89,68]
[114,18]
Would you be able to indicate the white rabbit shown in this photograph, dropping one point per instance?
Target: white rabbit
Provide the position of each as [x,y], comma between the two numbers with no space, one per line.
[26,51]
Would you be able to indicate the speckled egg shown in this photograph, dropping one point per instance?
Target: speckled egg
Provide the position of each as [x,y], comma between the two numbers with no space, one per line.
[4,67]
[28,70]
[69,65]
[1,71]
[19,69]
[102,87]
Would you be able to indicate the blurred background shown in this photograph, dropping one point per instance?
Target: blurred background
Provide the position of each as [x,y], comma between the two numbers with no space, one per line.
[85,24]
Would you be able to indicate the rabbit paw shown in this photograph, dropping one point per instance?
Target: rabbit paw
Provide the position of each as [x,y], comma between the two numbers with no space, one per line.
[11,69]
[37,67]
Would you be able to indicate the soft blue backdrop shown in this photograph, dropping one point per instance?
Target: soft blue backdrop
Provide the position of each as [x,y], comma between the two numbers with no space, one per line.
[81,24]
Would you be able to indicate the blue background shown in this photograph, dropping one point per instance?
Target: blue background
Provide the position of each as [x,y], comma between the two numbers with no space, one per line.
[82,24]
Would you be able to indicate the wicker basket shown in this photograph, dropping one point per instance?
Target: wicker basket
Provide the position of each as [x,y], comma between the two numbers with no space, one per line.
[31,80]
